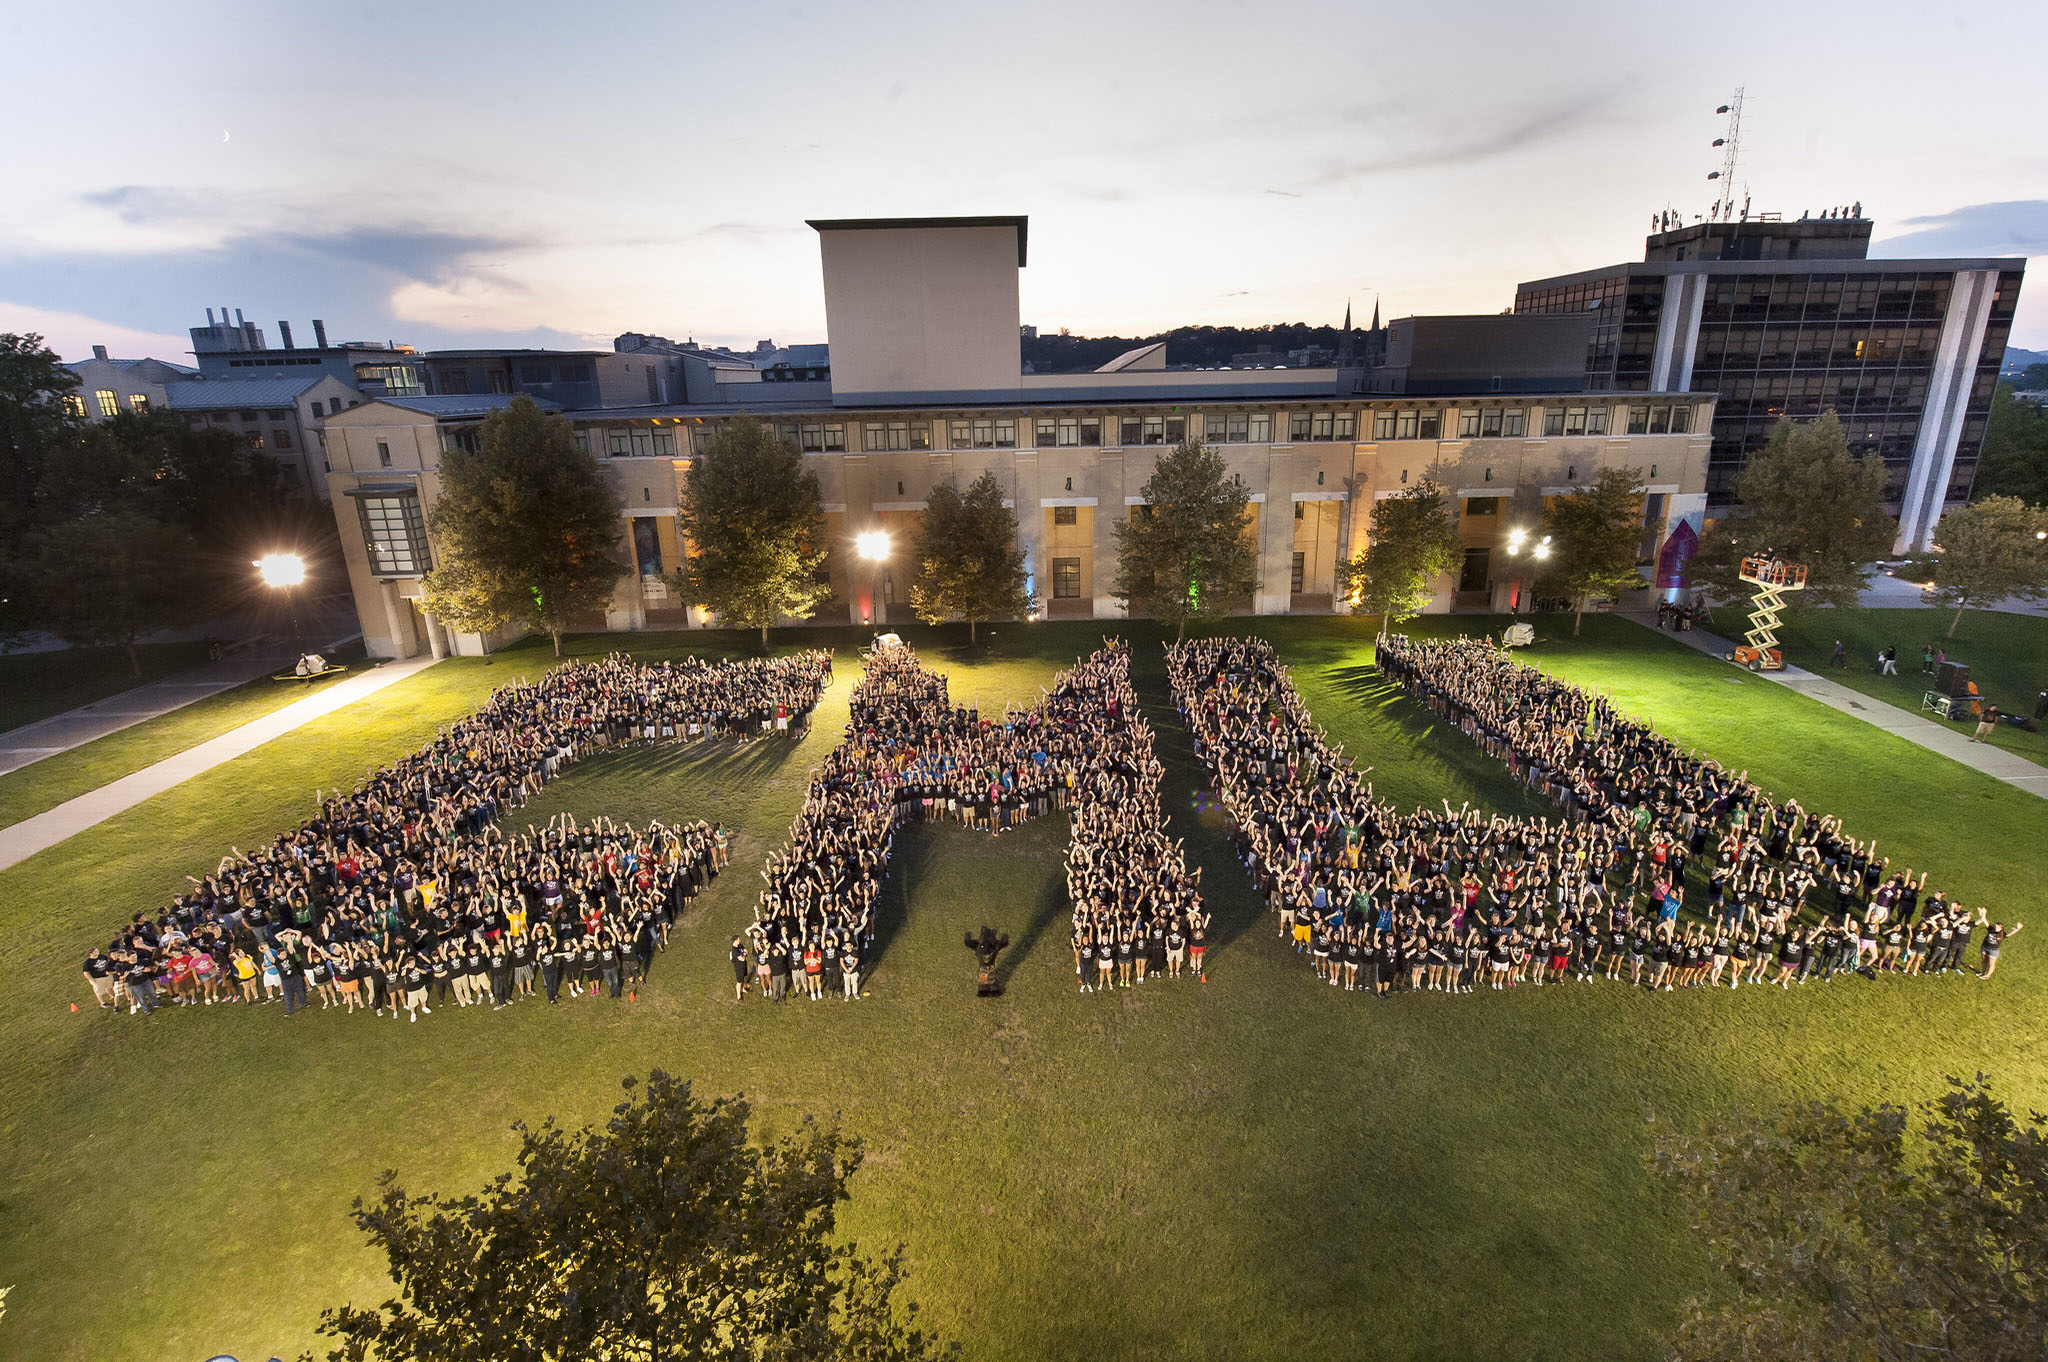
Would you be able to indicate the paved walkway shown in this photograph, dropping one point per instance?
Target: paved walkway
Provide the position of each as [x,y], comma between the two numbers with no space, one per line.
[46,829]
[61,732]
[1951,740]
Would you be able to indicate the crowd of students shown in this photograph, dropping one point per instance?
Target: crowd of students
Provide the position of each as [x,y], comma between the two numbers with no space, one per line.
[1452,900]
[407,891]
[911,755]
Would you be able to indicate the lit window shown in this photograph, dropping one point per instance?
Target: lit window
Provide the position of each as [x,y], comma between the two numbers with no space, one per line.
[74,405]
[394,534]
[110,403]
[1406,425]
[1066,578]
[1383,425]
[255,438]
[139,403]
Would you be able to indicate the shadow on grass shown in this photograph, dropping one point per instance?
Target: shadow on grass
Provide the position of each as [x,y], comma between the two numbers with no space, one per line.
[1052,901]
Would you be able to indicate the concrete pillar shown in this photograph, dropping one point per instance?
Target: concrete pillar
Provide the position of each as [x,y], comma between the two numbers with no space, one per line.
[1109,509]
[402,644]
[1024,496]
[437,640]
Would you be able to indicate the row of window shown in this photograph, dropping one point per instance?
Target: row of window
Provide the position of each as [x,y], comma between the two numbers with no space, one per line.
[1237,427]
[108,401]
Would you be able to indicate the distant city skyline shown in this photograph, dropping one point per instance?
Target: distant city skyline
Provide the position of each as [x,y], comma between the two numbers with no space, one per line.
[454,175]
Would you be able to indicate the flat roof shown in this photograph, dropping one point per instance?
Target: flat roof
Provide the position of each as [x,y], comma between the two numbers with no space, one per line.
[1819,264]
[772,411]
[1020,222]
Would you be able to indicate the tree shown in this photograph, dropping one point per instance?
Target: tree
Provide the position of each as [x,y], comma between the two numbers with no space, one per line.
[106,580]
[34,420]
[2014,458]
[524,530]
[755,522]
[1595,533]
[664,1235]
[1805,498]
[968,557]
[1991,549]
[1187,553]
[1414,541]
[1866,1235]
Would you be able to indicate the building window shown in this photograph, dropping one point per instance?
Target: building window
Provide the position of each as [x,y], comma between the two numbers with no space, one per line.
[618,443]
[110,404]
[1638,420]
[1091,431]
[1323,427]
[139,403]
[1046,434]
[1065,515]
[281,438]
[1472,576]
[1575,421]
[664,444]
[532,372]
[1383,425]
[1297,426]
[1261,428]
[1066,576]
[1681,420]
[464,439]
[1407,424]
[394,534]
[74,405]
[383,454]
[874,437]
[577,371]
[1660,420]
[1346,425]
[1067,430]
[246,415]
[1297,573]
[1133,430]
[962,433]
[1482,505]
[1432,423]
[835,437]
[1553,420]
[454,382]
[254,437]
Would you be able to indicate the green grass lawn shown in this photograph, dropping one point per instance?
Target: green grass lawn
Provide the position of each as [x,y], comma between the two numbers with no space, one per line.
[2007,654]
[64,775]
[36,685]
[1256,1167]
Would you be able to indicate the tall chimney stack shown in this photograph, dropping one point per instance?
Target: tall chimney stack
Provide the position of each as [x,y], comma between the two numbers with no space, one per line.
[99,352]
[320,333]
[284,331]
[238,318]
[209,317]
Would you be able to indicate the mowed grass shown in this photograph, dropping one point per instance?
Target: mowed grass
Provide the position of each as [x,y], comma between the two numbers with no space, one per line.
[36,685]
[2007,656]
[45,784]
[1255,1167]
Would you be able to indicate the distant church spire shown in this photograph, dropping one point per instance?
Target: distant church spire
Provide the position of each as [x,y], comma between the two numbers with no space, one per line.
[1375,312]
[1344,336]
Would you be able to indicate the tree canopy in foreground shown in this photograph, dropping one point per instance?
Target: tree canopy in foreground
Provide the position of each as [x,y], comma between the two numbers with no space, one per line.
[665,1234]
[755,523]
[1869,1234]
[1595,533]
[1991,549]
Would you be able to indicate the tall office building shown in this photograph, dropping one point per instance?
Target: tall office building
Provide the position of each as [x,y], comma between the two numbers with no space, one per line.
[1791,319]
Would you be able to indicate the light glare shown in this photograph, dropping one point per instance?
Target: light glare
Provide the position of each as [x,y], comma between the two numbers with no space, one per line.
[281,569]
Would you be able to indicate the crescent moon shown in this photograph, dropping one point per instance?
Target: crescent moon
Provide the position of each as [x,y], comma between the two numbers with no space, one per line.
[223,134]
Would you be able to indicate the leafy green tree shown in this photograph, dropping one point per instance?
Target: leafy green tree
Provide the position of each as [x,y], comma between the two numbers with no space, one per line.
[1595,533]
[1414,541]
[968,557]
[525,529]
[1805,498]
[2033,378]
[1187,553]
[2014,458]
[34,420]
[1991,549]
[105,580]
[755,523]
[1866,1234]
[664,1235]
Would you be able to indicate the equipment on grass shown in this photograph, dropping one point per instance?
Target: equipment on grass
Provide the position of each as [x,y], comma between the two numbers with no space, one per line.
[1952,678]
[1772,578]
[1517,636]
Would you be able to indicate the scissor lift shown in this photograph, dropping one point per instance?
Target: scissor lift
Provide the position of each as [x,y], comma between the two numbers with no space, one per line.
[1772,578]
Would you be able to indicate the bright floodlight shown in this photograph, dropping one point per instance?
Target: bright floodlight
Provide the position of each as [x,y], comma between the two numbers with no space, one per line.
[1515,538]
[281,569]
[872,545]
[1542,550]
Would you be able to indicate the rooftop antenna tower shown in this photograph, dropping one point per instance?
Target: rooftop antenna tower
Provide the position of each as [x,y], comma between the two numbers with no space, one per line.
[1731,150]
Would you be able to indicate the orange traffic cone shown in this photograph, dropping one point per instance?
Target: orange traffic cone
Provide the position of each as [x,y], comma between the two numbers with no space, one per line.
[74,1007]
[632,996]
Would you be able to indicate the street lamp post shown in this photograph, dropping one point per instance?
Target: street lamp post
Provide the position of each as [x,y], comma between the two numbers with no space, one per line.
[873,547]
[1518,544]
[285,572]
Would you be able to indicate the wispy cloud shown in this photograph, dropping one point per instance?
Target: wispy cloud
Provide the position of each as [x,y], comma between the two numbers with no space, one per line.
[2014,227]
[1284,194]
[1399,142]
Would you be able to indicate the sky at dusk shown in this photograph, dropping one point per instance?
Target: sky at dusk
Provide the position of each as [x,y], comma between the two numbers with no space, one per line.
[446,174]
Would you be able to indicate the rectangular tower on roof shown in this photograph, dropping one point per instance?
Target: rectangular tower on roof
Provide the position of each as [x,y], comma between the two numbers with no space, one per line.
[922,307]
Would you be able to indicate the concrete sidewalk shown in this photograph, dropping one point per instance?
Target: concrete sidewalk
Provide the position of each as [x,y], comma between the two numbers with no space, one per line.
[1950,740]
[46,829]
